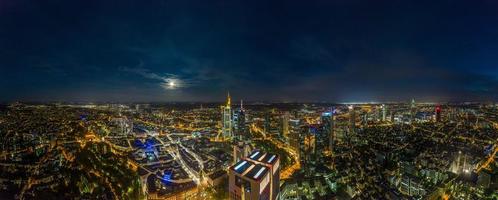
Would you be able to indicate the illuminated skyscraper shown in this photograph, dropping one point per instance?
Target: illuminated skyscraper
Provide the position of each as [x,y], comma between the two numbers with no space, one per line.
[285,125]
[352,120]
[255,177]
[248,181]
[271,161]
[239,122]
[438,113]
[308,147]
[328,126]
[227,128]
[294,135]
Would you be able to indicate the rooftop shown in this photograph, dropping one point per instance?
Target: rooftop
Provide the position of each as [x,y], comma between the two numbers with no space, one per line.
[262,157]
[249,169]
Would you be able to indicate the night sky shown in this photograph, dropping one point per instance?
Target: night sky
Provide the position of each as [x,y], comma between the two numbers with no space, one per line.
[335,51]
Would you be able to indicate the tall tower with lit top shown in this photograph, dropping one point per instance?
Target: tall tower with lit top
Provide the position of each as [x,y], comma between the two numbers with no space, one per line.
[227,128]
[438,113]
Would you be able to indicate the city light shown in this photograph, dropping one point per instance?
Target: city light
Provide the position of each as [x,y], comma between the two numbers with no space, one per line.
[157,141]
[232,100]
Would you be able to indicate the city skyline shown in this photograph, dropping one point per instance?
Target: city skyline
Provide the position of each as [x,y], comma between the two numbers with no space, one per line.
[266,151]
[322,51]
[237,100]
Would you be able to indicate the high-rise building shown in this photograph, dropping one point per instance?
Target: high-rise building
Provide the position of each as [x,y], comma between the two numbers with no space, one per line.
[255,177]
[241,149]
[285,125]
[352,120]
[294,135]
[239,122]
[308,147]
[227,129]
[271,161]
[364,118]
[267,123]
[249,181]
[328,127]
[438,113]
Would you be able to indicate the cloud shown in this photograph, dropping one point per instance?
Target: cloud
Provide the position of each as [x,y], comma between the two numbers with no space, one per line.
[167,81]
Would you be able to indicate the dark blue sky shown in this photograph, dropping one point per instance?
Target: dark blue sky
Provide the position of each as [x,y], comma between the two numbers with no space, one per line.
[103,50]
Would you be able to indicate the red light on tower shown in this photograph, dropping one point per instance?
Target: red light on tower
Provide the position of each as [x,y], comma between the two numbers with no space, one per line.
[438,113]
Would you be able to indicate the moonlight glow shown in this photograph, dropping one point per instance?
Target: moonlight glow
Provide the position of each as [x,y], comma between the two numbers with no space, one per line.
[172,83]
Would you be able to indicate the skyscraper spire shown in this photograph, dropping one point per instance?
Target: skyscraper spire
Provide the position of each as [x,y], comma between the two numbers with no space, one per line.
[227,119]
[241,108]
